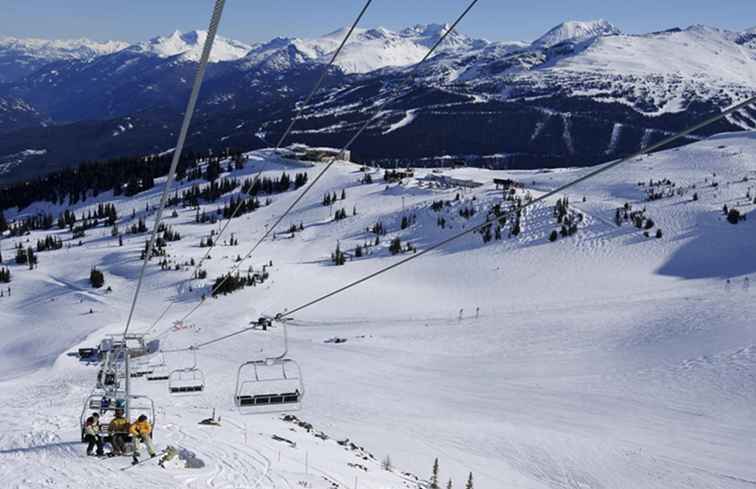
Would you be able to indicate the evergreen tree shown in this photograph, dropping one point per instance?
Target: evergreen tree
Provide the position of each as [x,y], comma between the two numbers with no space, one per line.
[31,258]
[449,484]
[96,278]
[386,463]
[553,236]
[469,484]
[733,216]
[434,475]
[21,257]
[338,256]
[396,246]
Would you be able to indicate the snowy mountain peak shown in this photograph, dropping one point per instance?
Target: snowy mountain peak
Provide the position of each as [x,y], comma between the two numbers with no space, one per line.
[577,31]
[189,46]
[54,50]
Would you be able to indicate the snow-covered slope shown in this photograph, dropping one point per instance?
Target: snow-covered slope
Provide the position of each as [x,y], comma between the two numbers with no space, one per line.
[576,31]
[20,57]
[53,50]
[189,47]
[603,359]
[372,49]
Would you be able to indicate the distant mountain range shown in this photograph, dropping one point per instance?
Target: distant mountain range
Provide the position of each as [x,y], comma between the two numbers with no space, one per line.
[580,94]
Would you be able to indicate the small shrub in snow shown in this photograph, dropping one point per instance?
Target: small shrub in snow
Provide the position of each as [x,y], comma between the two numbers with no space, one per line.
[733,216]
[96,278]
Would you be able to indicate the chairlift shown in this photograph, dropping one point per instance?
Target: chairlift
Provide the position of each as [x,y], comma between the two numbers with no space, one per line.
[187,381]
[106,406]
[107,379]
[160,370]
[269,385]
[137,346]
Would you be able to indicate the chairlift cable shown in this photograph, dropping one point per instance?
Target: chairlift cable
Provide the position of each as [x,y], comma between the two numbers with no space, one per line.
[288,130]
[204,59]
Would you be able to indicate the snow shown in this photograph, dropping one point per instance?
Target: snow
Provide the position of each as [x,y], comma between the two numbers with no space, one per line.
[372,49]
[576,31]
[189,46]
[9,162]
[409,117]
[605,359]
[61,49]
[693,52]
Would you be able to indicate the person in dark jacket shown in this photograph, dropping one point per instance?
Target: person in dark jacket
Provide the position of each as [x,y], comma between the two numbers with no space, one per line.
[92,436]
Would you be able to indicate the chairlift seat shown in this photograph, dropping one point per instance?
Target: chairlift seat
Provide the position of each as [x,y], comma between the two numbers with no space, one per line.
[186,388]
[186,381]
[268,399]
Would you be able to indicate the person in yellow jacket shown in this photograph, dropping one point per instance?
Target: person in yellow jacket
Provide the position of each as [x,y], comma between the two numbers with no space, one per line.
[118,429]
[141,431]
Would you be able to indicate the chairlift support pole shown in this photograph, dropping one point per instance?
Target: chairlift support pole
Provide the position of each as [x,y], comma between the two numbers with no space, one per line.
[128,384]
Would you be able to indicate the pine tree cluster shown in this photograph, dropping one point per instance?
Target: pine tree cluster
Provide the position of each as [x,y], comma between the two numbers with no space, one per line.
[49,243]
[229,283]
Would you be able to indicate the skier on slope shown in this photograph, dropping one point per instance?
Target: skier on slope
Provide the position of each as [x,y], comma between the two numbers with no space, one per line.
[119,431]
[141,431]
[92,436]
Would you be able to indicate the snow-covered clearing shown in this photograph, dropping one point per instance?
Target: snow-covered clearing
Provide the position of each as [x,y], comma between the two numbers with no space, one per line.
[603,360]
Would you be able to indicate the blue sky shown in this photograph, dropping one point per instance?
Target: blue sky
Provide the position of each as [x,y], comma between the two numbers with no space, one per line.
[257,20]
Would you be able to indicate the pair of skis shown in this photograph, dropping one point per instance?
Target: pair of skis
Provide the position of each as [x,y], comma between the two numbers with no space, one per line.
[140,462]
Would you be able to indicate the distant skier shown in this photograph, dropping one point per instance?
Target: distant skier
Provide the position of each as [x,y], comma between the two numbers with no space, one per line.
[728,284]
[746,284]
[92,436]
[119,432]
[477,312]
[141,431]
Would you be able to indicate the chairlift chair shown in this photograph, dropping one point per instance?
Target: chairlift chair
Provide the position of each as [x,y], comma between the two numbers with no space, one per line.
[271,385]
[138,405]
[187,381]
[160,370]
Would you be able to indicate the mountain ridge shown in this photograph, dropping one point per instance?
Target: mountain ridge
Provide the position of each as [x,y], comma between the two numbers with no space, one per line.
[578,92]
